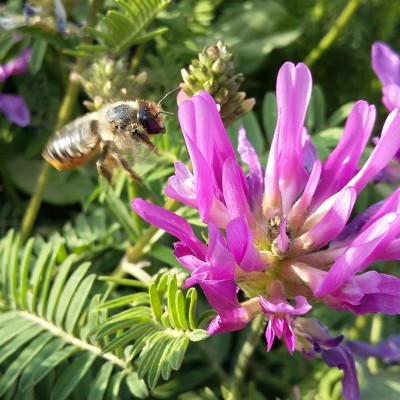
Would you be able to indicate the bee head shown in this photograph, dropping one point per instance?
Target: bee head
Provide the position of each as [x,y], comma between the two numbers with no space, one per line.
[149,115]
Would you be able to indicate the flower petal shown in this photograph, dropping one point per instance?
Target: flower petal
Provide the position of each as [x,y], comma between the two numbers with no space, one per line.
[384,151]
[15,109]
[386,63]
[286,175]
[255,179]
[240,242]
[171,223]
[360,253]
[17,66]
[341,164]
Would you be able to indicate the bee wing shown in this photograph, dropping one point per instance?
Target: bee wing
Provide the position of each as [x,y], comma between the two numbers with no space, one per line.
[75,143]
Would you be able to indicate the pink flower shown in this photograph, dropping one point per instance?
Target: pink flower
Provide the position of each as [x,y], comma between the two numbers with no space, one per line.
[284,233]
[280,315]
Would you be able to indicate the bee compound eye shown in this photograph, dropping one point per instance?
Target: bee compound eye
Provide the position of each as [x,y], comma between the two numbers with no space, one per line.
[150,122]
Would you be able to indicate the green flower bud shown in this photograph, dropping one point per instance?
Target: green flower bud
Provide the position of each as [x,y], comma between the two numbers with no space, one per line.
[108,79]
[214,72]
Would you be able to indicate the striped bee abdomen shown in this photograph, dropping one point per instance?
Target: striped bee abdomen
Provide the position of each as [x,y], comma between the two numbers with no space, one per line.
[76,143]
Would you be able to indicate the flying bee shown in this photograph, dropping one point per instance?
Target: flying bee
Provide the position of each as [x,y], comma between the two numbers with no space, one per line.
[114,127]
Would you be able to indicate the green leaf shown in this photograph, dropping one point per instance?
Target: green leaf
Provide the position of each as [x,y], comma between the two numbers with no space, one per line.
[24,272]
[13,271]
[326,140]
[38,51]
[62,188]
[69,291]
[56,289]
[124,27]
[72,375]
[264,26]
[46,281]
[120,211]
[316,112]
[37,275]
[155,302]
[269,115]
[124,282]
[20,338]
[340,115]
[36,364]
[166,367]
[154,361]
[164,254]
[114,386]
[198,335]
[191,303]
[136,386]
[99,385]
[178,352]
[5,262]
[22,360]
[128,336]
[136,299]
[35,375]
[173,312]
[180,309]
[253,132]
[78,302]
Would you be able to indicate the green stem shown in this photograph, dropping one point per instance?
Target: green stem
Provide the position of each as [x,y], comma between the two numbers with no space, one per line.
[257,326]
[333,33]
[136,252]
[375,336]
[360,324]
[213,363]
[63,116]
[64,113]
[9,188]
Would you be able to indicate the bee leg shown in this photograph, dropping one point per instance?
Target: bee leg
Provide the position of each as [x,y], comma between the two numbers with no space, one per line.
[128,168]
[145,139]
[102,168]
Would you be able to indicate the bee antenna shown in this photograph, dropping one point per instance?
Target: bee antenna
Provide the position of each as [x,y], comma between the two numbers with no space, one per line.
[165,96]
[165,112]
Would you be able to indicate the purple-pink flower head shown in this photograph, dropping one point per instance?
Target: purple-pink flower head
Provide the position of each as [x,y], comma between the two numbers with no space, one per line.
[282,234]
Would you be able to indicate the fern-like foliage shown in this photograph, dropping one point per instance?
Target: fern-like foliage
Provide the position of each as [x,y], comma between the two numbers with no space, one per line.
[159,325]
[124,27]
[57,342]
[90,232]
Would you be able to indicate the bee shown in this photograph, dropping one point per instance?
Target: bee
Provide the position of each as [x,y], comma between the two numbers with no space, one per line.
[113,128]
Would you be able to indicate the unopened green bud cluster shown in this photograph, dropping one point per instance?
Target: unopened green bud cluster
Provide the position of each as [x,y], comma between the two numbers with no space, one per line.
[214,72]
[108,80]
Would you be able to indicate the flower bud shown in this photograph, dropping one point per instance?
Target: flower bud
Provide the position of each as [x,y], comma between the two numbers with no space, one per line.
[214,72]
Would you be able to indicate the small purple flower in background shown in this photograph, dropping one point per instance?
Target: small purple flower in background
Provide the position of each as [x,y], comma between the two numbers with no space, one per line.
[282,236]
[11,105]
[387,350]
[386,65]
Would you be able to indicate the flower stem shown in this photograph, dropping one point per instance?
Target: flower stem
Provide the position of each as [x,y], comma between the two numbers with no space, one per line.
[257,326]
[333,32]
[136,252]
[63,116]
[375,336]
